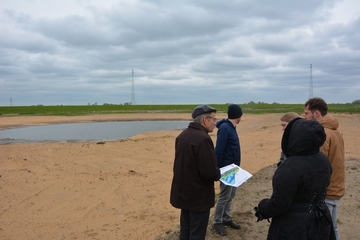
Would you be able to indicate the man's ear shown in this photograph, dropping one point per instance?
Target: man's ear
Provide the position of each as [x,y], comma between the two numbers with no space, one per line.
[204,120]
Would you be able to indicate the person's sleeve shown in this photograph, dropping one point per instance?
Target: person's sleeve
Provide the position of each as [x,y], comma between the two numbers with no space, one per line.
[207,162]
[285,185]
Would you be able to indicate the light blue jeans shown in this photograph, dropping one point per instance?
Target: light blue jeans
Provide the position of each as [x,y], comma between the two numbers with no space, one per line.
[333,206]
[222,209]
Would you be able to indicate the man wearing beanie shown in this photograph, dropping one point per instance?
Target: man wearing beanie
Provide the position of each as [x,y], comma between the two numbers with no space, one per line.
[227,152]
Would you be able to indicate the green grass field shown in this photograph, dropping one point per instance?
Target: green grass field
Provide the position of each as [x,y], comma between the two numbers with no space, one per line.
[258,108]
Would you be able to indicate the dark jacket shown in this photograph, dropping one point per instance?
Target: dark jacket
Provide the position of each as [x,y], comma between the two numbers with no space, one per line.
[297,205]
[227,144]
[282,159]
[195,170]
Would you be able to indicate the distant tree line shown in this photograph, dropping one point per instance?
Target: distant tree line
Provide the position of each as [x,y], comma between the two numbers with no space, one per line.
[357,101]
[252,102]
[109,104]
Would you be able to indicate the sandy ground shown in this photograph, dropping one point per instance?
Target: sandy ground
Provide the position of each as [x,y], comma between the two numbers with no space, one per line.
[120,189]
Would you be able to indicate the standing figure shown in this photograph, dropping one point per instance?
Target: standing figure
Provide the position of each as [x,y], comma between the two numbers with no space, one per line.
[228,152]
[195,170]
[297,206]
[316,109]
[284,120]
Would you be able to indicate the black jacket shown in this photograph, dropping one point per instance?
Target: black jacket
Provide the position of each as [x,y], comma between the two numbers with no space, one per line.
[297,205]
[195,170]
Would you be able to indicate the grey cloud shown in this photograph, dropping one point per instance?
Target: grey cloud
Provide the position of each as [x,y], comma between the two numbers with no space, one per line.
[75,31]
[181,52]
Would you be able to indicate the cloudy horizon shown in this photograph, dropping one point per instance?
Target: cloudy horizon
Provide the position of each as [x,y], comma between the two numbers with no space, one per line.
[182,52]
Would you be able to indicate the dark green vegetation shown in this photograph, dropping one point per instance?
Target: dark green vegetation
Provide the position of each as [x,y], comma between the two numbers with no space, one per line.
[252,108]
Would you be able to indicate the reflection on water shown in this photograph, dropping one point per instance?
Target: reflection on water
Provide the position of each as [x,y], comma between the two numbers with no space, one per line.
[94,131]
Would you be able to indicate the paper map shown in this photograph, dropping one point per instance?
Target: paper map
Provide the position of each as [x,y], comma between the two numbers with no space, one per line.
[234,175]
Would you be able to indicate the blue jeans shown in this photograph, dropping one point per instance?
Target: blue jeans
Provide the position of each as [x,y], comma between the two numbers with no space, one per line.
[222,210]
[333,206]
[193,225]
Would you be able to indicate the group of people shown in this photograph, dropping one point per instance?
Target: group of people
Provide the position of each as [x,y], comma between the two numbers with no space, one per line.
[307,185]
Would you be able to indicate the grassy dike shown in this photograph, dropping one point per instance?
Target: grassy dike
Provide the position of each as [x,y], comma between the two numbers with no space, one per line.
[256,108]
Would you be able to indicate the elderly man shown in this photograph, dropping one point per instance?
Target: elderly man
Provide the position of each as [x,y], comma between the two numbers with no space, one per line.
[195,170]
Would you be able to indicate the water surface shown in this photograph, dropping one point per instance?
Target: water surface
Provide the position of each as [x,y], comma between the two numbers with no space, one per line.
[94,131]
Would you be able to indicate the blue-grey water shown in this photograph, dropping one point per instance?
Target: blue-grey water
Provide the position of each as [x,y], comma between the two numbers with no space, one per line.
[94,131]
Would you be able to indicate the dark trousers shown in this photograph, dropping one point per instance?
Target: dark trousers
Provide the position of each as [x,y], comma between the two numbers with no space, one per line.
[193,225]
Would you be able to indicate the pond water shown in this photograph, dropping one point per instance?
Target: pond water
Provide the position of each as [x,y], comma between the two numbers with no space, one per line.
[77,132]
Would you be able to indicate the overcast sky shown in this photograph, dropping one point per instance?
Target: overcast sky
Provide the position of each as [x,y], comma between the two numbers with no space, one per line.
[79,52]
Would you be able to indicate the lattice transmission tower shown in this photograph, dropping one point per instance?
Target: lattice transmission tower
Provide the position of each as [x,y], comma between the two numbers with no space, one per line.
[311,83]
[132,89]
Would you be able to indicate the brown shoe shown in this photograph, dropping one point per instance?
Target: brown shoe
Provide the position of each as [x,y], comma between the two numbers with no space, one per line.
[219,229]
[232,225]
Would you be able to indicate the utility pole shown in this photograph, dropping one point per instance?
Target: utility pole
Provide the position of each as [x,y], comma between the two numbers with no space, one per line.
[10,102]
[311,83]
[132,89]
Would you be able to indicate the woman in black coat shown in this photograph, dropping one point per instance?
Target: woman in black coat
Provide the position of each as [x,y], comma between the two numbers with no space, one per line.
[297,205]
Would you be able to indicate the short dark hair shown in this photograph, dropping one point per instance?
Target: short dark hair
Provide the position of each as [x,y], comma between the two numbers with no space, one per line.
[317,103]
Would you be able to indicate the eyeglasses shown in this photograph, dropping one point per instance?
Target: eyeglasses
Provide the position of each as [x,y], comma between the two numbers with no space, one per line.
[211,117]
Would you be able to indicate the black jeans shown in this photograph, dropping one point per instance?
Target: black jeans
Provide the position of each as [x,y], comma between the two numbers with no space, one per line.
[193,225]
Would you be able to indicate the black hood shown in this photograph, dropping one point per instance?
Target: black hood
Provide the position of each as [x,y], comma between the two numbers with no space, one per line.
[302,137]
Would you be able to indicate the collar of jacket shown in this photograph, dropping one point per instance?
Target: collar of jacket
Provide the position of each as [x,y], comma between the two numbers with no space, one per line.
[197,126]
